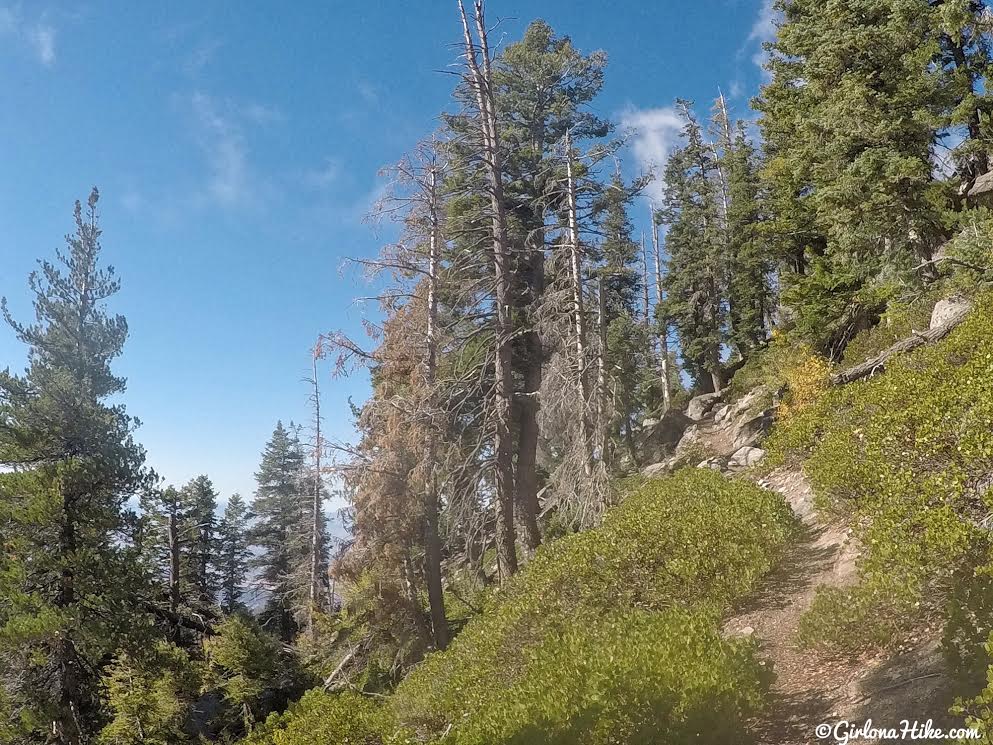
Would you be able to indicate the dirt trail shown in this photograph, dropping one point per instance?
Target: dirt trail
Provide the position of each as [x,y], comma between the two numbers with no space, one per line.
[810,688]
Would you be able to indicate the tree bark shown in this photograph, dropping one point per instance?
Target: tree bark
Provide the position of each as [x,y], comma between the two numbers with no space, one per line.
[579,314]
[432,541]
[480,80]
[663,334]
[878,363]
[316,517]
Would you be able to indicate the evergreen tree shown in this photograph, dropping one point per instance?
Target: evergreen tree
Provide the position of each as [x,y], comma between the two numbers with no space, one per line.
[150,695]
[68,464]
[746,253]
[165,545]
[620,254]
[628,352]
[697,267]
[233,554]
[849,121]
[200,501]
[278,513]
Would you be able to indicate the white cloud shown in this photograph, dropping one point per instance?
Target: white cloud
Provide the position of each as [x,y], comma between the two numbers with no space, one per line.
[35,35]
[223,145]
[42,38]
[763,30]
[653,134]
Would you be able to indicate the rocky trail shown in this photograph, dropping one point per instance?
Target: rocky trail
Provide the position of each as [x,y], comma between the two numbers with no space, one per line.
[811,688]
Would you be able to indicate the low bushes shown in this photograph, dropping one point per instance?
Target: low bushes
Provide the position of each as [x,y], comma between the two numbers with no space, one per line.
[907,456]
[607,636]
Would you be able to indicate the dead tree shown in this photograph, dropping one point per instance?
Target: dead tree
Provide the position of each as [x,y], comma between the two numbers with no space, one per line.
[432,541]
[603,409]
[317,516]
[878,363]
[480,80]
[663,333]
[579,314]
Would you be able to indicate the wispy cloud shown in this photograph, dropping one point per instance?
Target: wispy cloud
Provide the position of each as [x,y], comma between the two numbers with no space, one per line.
[42,38]
[200,57]
[763,30]
[221,139]
[34,34]
[221,128]
[653,134]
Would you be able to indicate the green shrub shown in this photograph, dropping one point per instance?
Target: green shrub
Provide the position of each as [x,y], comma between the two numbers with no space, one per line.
[606,636]
[151,695]
[905,456]
[900,320]
[251,671]
[319,717]
[695,541]
[632,677]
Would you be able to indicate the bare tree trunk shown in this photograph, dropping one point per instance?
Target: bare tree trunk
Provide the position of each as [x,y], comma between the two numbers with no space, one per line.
[480,80]
[432,541]
[663,326]
[644,282]
[579,315]
[316,517]
[603,410]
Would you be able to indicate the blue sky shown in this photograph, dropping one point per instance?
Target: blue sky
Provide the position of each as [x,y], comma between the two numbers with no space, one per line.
[237,146]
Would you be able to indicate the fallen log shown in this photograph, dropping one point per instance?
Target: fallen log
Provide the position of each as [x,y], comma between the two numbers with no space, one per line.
[878,363]
[331,681]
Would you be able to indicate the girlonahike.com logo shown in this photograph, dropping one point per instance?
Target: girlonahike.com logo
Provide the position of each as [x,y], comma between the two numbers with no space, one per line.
[844,732]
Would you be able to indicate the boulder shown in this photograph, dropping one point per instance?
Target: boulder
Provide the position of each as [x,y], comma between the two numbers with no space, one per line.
[947,308]
[700,406]
[721,413]
[745,457]
[658,470]
[751,430]
[756,397]
[659,437]
[714,463]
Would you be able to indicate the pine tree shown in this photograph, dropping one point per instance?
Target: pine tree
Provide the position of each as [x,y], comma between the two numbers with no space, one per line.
[697,268]
[619,252]
[233,554]
[165,544]
[200,501]
[746,253]
[849,120]
[278,514]
[628,346]
[543,84]
[68,464]
[150,695]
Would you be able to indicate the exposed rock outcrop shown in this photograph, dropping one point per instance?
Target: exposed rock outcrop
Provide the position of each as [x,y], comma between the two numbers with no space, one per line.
[945,310]
[700,406]
[723,436]
[659,437]
[745,457]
